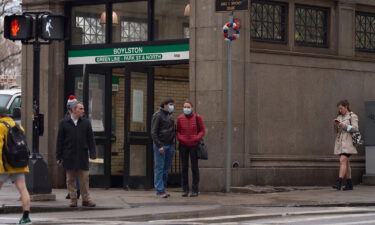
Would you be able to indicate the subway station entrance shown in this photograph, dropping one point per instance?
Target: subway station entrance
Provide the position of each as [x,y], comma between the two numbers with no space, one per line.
[123,58]
[120,102]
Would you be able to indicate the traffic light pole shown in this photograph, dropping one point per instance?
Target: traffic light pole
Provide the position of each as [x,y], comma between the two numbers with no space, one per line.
[37,180]
[36,94]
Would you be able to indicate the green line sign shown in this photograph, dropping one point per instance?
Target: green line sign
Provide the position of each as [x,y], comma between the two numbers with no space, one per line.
[129,54]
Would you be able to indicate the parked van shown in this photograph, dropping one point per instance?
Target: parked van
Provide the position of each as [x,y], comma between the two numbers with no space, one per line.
[11,100]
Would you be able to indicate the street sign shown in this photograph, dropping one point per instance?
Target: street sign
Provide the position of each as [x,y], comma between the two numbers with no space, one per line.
[231,5]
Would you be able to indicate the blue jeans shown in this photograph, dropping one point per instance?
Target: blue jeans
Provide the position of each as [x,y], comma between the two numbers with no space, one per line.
[163,163]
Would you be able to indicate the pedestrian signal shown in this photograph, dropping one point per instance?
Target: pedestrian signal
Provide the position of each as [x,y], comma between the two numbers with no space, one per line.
[52,27]
[18,27]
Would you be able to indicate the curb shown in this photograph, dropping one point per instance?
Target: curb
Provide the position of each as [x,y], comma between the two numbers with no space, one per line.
[8,209]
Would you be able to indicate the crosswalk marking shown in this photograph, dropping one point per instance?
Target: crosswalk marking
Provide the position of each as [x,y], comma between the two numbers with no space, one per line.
[354,223]
[253,216]
[341,216]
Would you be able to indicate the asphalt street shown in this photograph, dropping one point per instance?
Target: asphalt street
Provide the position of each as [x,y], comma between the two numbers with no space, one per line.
[209,215]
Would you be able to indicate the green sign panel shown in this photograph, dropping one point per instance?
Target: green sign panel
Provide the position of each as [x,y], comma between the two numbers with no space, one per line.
[129,54]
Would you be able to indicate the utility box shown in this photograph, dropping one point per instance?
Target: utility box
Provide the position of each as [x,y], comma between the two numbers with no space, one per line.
[369,177]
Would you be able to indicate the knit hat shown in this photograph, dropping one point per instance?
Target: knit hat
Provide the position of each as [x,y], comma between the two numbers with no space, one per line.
[72,99]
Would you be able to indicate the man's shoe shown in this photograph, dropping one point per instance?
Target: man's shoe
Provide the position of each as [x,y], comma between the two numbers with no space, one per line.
[73,204]
[88,204]
[194,194]
[185,194]
[162,195]
[25,221]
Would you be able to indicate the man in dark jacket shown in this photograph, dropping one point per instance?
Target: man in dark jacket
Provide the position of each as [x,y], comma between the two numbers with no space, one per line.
[75,139]
[163,134]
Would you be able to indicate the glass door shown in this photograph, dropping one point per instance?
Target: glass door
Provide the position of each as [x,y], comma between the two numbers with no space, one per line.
[96,85]
[138,161]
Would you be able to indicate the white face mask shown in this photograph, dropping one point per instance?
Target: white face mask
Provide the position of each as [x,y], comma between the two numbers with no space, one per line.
[171,108]
[187,111]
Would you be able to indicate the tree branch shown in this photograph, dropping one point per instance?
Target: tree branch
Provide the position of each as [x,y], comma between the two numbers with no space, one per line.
[10,56]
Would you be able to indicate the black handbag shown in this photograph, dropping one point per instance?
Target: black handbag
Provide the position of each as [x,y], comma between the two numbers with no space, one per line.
[201,148]
[356,136]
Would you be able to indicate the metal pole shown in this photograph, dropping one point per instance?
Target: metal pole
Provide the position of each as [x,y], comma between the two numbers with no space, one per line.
[36,81]
[229,113]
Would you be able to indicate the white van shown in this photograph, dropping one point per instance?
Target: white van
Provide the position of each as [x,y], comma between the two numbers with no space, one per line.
[11,99]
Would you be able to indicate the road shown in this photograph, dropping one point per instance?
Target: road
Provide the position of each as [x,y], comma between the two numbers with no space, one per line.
[207,215]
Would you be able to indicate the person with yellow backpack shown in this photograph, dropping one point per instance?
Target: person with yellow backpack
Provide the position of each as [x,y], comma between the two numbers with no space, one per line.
[14,169]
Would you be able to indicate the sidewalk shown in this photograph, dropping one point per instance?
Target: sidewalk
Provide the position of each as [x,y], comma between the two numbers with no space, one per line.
[121,199]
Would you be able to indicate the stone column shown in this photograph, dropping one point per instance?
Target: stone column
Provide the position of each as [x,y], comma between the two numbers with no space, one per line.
[346,27]
[51,89]
[208,75]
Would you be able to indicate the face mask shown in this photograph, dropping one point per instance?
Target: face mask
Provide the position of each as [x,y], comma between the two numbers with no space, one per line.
[171,108]
[187,111]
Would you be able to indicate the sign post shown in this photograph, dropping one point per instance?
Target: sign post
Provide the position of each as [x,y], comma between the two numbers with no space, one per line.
[231,32]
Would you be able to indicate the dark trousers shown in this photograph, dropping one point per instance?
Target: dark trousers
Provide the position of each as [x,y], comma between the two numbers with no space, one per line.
[184,154]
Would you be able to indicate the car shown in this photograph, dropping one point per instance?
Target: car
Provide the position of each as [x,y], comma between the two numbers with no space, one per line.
[10,99]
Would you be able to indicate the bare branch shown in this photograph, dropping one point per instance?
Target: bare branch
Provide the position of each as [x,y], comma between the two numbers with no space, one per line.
[10,56]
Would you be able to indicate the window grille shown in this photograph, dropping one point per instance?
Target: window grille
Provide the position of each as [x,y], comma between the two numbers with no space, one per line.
[92,31]
[268,21]
[365,31]
[133,31]
[311,26]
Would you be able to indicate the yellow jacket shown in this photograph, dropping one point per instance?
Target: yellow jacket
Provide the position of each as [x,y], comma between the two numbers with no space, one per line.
[4,134]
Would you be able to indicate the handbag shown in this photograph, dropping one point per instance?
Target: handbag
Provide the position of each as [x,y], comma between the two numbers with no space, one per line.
[356,136]
[202,148]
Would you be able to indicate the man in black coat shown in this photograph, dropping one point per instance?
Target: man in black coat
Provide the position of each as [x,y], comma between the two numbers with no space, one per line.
[75,140]
[163,133]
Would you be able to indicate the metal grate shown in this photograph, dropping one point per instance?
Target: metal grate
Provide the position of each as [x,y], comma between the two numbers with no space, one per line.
[311,26]
[92,31]
[365,31]
[268,21]
[133,31]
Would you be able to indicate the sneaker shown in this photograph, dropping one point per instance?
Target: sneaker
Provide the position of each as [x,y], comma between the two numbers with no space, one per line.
[25,221]
[162,195]
[185,194]
[194,194]
[88,204]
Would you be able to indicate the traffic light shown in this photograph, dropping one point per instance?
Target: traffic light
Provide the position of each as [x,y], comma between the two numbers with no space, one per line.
[52,27]
[18,27]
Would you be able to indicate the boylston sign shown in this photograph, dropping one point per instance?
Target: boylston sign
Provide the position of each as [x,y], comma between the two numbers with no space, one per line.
[231,5]
[129,54]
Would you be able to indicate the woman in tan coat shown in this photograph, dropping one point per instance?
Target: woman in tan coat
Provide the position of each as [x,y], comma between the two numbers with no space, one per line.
[345,123]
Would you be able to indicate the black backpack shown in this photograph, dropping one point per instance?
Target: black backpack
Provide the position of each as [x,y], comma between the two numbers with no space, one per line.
[15,150]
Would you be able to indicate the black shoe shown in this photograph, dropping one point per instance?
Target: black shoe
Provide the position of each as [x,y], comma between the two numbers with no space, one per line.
[348,186]
[185,194]
[67,196]
[194,194]
[337,185]
[78,194]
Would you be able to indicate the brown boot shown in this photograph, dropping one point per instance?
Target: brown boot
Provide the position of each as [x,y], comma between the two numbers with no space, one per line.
[73,204]
[88,204]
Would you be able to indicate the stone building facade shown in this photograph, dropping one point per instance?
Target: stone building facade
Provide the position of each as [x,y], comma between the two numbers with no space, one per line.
[294,60]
